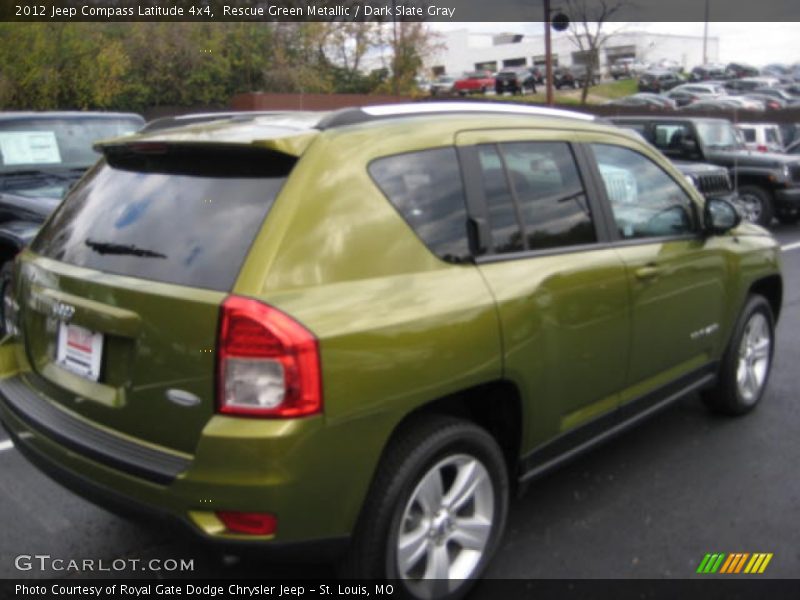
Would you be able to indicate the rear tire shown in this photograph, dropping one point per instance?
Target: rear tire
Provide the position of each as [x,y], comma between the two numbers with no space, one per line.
[756,204]
[435,512]
[747,361]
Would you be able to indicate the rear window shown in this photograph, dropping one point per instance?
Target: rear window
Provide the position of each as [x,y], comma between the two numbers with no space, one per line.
[182,217]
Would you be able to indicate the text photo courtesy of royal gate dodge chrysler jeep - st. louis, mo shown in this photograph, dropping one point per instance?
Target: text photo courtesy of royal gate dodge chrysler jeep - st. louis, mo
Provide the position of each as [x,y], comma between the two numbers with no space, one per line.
[399,299]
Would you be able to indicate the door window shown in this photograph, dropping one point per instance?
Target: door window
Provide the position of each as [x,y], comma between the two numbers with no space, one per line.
[646,202]
[535,196]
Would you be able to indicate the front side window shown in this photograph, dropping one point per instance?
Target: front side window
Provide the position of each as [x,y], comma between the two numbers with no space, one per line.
[426,188]
[535,196]
[646,202]
[669,136]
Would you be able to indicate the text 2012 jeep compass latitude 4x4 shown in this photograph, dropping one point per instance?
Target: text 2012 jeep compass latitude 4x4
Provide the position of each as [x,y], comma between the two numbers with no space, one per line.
[366,327]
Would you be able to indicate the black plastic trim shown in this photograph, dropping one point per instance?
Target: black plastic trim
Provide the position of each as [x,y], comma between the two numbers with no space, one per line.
[304,551]
[96,444]
[574,443]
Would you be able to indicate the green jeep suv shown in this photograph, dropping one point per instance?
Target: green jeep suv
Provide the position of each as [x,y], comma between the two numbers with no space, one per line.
[358,332]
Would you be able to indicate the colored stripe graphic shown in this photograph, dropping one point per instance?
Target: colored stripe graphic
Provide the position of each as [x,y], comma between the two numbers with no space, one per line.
[735,563]
[711,563]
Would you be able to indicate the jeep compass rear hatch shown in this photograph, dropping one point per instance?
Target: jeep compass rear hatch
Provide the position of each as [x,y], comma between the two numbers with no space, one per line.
[120,298]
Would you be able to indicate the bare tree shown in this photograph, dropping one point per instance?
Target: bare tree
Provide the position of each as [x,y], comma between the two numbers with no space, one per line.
[587,18]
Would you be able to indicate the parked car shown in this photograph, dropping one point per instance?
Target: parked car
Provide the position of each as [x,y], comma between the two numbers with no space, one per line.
[777,71]
[627,67]
[725,103]
[793,148]
[769,102]
[739,70]
[516,81]
[768,184]
[475,82]
[444,85]
[750,84]
[658,81]
[581,72]
[710,180]
[761,137]
[790,132]
[707,90]
[669,65]
[42,154]
[776,92]
[644,100]
[709,71]
[238,366]
[423,84]
[712,104]
[683,98]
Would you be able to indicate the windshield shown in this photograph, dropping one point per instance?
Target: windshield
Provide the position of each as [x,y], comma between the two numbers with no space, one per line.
[57,144]
[721,136]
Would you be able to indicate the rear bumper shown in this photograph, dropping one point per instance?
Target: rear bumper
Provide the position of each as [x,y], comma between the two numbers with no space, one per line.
[291,469]
[126,507]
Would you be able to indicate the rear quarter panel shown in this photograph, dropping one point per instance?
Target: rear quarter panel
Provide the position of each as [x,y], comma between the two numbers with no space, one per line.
[397,327]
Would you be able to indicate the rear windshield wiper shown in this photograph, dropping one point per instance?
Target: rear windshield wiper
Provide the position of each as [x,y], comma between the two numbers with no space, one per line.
[129,249]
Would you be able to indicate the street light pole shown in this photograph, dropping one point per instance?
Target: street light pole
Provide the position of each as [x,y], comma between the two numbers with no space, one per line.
[705,37]
[548,56]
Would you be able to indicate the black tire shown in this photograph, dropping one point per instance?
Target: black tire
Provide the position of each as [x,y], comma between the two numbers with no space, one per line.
[483,90]
[416,451]
[6,271]
[729,396]
[756,203]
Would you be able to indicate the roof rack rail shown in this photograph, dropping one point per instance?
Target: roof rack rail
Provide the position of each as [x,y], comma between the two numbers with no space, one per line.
[364,114]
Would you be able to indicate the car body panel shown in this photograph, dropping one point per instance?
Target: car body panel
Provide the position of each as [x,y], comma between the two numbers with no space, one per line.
[398,328]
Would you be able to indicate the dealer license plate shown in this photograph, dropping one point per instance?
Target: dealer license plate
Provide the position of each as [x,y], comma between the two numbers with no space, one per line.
[79,350]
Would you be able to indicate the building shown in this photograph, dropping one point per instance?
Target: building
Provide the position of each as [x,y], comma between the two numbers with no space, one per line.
[463,50]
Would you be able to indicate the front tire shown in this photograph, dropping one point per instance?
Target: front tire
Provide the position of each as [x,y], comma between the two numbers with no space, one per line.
[6,274]
[756,204]
[435,512]
[746,365]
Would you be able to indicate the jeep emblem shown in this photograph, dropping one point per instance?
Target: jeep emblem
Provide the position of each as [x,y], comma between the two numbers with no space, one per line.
[62,311]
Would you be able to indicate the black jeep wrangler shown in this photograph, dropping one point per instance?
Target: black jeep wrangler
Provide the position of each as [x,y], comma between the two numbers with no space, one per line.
[768,185]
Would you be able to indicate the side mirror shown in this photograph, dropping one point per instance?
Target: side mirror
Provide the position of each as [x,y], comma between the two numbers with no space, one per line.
[720,216]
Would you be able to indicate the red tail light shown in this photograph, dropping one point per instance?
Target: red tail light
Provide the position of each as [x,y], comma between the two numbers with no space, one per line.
[761,148]
[250,523]
[268,364]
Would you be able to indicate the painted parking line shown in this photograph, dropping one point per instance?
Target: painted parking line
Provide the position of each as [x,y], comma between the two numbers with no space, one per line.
[6,445]
[788,247]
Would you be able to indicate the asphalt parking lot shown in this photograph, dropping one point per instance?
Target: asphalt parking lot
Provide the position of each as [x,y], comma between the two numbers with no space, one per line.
[649,504]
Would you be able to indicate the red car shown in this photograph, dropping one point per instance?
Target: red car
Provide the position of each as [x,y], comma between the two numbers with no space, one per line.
[474,82]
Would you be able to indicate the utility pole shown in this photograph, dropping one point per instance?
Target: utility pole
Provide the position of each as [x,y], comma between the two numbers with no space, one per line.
[705,37]
[548,56]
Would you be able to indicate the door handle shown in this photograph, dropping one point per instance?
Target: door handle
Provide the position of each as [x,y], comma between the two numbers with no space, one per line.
[648,272]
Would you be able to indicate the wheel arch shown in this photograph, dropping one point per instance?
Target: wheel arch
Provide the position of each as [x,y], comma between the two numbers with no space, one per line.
[771,288]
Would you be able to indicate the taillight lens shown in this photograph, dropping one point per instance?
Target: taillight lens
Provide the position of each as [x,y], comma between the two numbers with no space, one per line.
[268,364]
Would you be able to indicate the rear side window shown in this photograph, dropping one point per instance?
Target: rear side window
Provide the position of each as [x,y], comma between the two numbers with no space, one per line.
[536,184]
[182,217]
[426,189]
[749,134]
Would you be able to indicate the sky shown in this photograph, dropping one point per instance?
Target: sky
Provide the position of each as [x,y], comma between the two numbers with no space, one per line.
[757,44]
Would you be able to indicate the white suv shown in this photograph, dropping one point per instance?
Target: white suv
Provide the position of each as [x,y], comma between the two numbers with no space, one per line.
[762,137]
